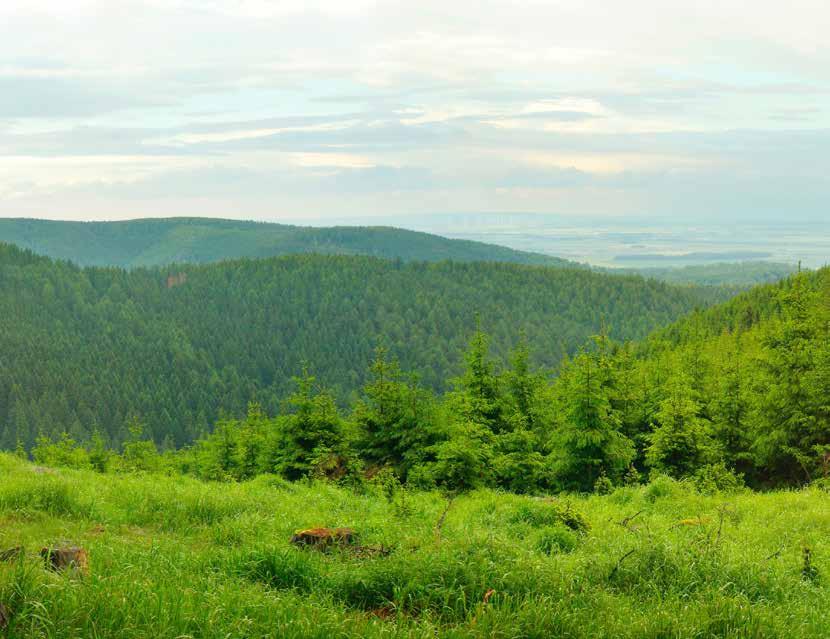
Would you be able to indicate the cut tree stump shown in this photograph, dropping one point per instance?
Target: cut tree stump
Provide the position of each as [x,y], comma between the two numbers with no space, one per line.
[325,538]
[11,554]
[66,557]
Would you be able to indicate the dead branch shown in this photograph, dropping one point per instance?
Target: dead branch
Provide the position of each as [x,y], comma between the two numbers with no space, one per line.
[619,563]
[442,518]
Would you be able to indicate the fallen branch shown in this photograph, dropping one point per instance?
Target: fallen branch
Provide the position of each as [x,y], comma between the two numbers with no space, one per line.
[625,522]
[441,519]
[776,554]
[619,563]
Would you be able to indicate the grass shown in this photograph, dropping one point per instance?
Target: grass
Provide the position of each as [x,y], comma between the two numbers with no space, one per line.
[175,557]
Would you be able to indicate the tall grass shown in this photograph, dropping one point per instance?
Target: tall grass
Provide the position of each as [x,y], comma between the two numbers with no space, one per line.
[174,557]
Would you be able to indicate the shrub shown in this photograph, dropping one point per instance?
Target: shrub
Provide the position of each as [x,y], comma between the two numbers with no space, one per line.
[548,513]
[717,478]
[661,486]
[63,452]
[603,485]
[632,476]
[555,539]
[272,482]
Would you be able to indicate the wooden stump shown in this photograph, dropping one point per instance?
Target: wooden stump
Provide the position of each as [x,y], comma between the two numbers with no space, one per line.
[324,538]
[66,557]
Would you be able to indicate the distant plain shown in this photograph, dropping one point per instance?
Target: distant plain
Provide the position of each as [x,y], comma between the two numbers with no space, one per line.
[635,243]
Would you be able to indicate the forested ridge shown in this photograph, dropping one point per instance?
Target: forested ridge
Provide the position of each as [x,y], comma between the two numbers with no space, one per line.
[737,394]
[85,349]
[158,242]
[731,395]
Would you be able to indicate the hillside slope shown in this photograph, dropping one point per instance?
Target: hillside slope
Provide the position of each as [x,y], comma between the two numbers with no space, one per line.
[745,383]
[156,242]
[88,348]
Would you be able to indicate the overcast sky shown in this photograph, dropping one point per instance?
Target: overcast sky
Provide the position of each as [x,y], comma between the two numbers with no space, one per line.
[293,109]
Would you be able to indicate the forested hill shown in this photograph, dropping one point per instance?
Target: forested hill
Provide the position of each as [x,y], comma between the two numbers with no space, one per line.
[745,384]
[88,348]
[734,274]
[157,242]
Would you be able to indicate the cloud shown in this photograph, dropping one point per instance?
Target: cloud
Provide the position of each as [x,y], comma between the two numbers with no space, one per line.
[356,106]
[44,96]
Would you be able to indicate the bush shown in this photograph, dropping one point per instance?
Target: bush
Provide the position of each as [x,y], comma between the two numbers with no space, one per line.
[555,539]
[63,452]
[661,486]
[548,513]
[272,482]
[717,478]
[603,485]
[632,476]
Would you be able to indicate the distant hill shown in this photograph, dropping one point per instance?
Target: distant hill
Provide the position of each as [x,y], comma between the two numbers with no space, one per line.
[156,242]
[85,348]
[733,274]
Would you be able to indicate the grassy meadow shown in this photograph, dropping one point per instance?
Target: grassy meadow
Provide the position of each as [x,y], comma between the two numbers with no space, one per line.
[176,557]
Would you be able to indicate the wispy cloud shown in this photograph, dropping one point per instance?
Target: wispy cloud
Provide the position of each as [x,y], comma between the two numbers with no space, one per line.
[115,107]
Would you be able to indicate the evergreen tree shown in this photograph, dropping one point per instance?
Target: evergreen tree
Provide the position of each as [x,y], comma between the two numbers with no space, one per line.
[789,419]
[477,397]
[312,434]
[394,417]
[588,440]
[681,442]
[731,406]
[519,462]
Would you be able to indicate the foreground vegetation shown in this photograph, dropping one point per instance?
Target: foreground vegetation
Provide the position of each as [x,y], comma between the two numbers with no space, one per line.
[175,557]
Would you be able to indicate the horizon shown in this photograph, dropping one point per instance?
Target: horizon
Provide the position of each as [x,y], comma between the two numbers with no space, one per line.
[616,243]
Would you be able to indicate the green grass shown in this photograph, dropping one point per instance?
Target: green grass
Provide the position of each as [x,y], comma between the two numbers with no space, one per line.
[174,557]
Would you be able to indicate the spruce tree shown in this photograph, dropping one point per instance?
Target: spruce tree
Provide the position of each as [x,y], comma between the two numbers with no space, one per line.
[681,442]
[588,439]
[789,419]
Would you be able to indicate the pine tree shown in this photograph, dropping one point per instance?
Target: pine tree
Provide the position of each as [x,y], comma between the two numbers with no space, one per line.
[730,405]
[477,397]
[393,417]
[312,434]
[789,420]
[681,442]
[588,440]
[250,442]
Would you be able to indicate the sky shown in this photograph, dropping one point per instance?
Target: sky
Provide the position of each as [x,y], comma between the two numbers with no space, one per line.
[305,109]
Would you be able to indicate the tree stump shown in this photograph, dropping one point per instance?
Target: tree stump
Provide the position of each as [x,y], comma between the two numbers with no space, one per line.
[324,538]
[66,557]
